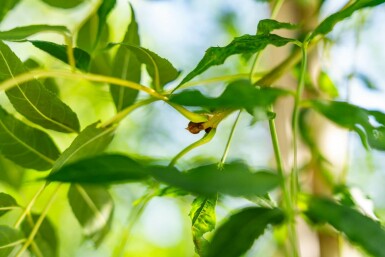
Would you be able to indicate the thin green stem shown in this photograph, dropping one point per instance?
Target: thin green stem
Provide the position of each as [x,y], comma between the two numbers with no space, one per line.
[122,114]
[38,223]
[29,206]
[204,140]
[24,77]
[295,117]
[288,205]
[218,79]
[277,6]
[227,148]
[13,244]
[70,52]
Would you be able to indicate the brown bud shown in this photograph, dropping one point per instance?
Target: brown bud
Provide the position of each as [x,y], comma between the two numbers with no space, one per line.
[195,128]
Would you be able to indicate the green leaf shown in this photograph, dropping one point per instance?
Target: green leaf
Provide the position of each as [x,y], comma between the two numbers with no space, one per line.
[246,44]
[25,145]
[93,208]
[6,6]
[45,241]
[101,170]
[82,58]
[8,236]
[21,33]
[328,24]
[64,4]
[159,69]
[11,173]
[248,97]
[126,66]
[355,118]
[238,233]
[266,26]
[95,30]
[33,100]
[6,201]
[203,220]
[236,179]
[49,83]
[91,141]
[358,228]
[326,85]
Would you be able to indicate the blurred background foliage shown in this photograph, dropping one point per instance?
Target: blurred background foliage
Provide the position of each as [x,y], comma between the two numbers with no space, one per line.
[181,30]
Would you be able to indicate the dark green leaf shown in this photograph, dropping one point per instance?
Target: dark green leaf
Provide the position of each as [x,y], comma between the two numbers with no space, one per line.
[46,242]
[246,44]
[25,145]
[6,6]
[203,220]
[358,228]
[91,141]
[6,201]
[8,236]
[326,85]
[247,96]
[100,170]
[328,24]
[21,33]
[357,119]
[239,232]
[236,179]
[266,26]
[95,30]
[171,192]
[82,58]
[33,100]
[93,208]
[126,66]
[159,69]
[65,4]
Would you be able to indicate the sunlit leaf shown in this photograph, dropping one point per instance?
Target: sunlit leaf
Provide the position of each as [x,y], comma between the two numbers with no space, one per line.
[203,220]
[82,58]
[45,241]
[328,24]
[326,85]
[236,179]
[21,33]
[126,66]
[357,119]
[6,6]
[33,100]
[8,240]
[159,69]
[245,44]
[247,96]
[95,28]
[65,4]
[93,208]
[25,145]
[6,201]
[100,170]
[266,26]
[358,228]
[238,233]
[91,141]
